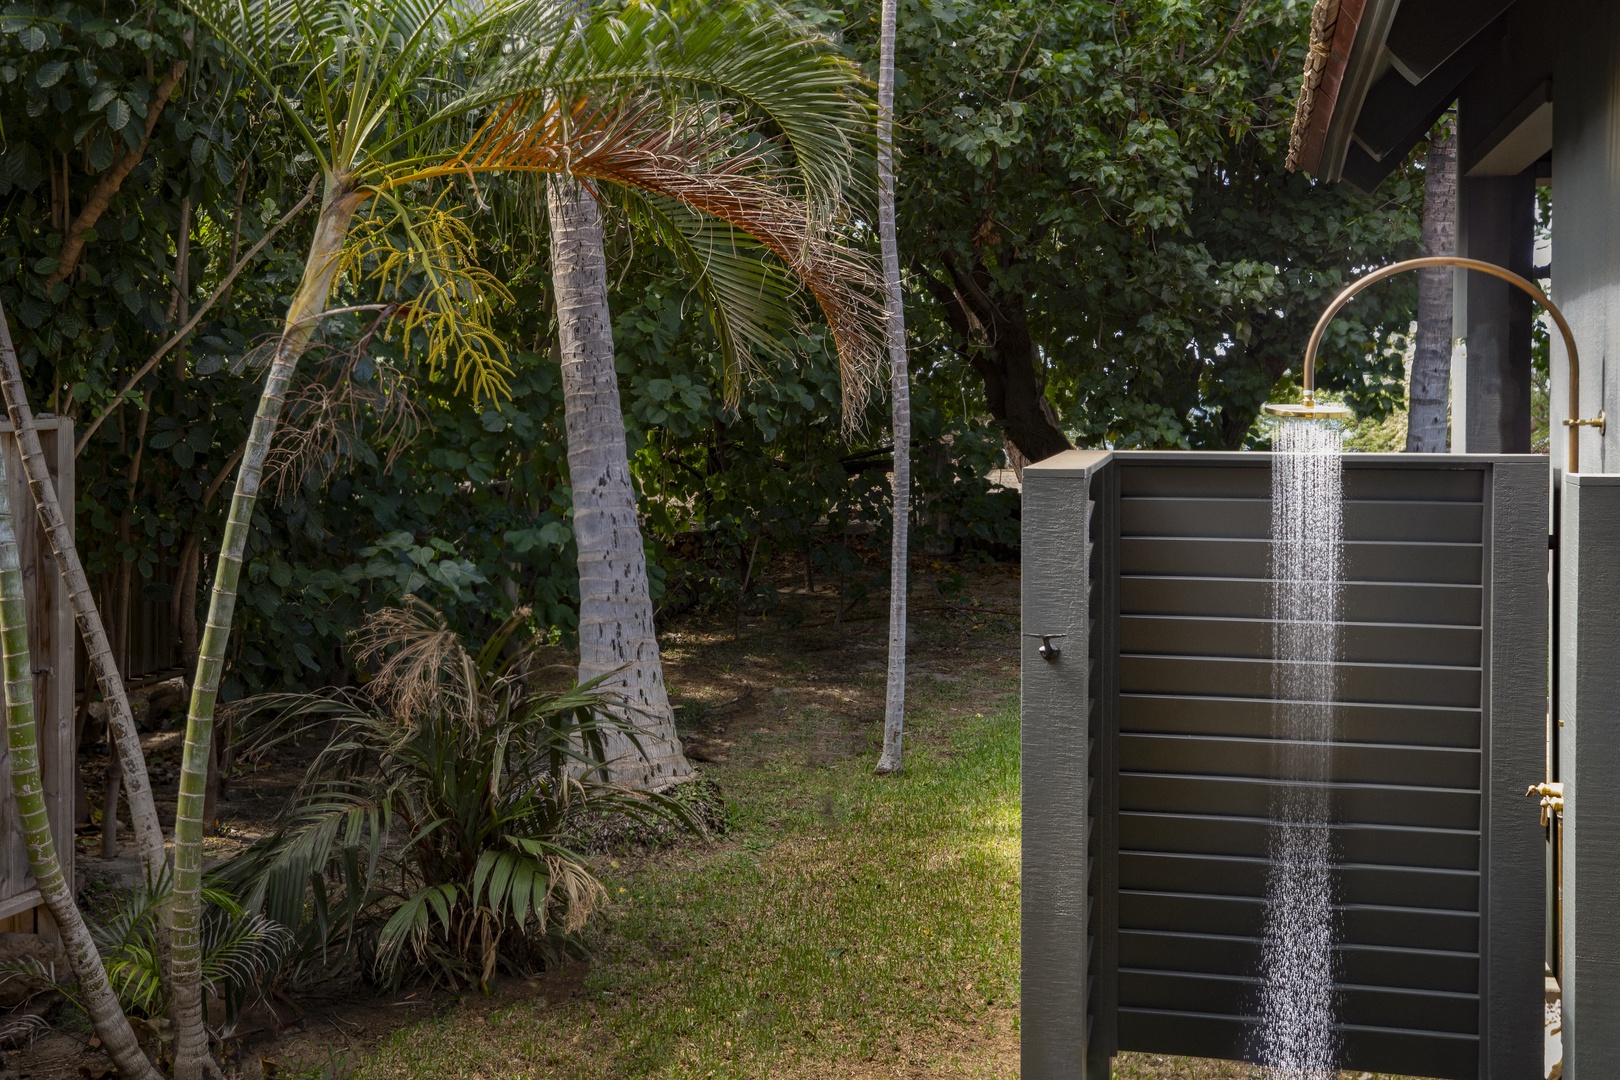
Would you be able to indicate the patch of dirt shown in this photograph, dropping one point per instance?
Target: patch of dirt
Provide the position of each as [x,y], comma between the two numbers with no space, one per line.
[252,796]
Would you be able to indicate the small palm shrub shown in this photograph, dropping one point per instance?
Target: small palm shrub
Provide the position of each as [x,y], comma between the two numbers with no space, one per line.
[241,954]
[429,836]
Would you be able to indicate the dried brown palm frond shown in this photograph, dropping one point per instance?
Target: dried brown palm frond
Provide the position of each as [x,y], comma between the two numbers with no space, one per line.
[422,666]
[696,159]
[328,417]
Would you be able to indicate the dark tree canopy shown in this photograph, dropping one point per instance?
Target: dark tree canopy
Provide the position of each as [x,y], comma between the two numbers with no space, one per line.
[1100,243]
[1094,205]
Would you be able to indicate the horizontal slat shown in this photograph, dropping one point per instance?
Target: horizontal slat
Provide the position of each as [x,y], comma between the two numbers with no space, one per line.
[1198,556]
[1371,804]
[1200,911]
[23,901]
[1385,684]
[1350,763]
[1240,598]
[1392,643]
[1395,724]
[1370,845]
[1221,954]
[1437,1055]
[1359,1006]
[1422,887]
[1139,476]
[1432,522]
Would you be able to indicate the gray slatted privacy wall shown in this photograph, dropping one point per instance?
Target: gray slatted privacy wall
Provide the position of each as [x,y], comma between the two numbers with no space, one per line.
[1442,693]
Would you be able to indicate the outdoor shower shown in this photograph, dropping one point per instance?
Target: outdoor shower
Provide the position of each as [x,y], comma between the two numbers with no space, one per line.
[1274,780]
[1311,409]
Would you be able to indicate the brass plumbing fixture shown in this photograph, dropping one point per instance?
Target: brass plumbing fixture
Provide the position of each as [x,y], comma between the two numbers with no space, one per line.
[1312,409]
[1552,800]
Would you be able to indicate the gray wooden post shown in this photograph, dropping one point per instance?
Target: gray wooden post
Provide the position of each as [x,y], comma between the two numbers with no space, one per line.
[1589,706]
[1056,688]
[1512,903]
[1497,224]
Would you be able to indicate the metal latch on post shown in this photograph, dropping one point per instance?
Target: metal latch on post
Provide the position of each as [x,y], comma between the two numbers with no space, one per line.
[1048,650]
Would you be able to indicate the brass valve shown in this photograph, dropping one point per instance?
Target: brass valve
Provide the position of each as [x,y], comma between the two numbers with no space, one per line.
[1552,800]
[1600,421]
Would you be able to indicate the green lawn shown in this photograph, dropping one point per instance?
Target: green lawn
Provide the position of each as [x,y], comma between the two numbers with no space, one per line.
[847,925]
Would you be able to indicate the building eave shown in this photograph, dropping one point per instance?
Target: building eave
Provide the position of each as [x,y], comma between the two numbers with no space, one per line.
[1347,38]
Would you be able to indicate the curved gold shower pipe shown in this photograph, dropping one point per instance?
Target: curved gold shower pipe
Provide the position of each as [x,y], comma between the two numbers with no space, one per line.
[1310,408]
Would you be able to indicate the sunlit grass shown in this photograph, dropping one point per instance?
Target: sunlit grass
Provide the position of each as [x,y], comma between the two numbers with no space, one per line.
[846,925]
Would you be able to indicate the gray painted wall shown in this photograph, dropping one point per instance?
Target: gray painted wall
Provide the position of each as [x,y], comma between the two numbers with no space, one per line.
[1586,227]
[1589,704]
[1513,888]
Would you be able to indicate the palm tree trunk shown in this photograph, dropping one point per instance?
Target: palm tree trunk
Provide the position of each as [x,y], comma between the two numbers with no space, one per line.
[1431,357]
[615,607]
[120,720]
[27,788]
[192,1057]
[894,713]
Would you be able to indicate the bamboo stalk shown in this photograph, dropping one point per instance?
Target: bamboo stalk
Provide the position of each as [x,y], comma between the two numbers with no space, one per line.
[28,789]
[192,1057]
[120,720]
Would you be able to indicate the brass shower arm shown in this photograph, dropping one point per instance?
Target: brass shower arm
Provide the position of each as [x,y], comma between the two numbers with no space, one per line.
[1600,421]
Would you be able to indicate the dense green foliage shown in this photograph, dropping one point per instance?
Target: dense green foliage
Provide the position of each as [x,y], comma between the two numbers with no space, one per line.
[1096,190]
[1110,172]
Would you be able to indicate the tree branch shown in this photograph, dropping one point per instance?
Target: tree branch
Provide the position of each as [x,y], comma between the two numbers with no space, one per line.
[163,350]
[101,195]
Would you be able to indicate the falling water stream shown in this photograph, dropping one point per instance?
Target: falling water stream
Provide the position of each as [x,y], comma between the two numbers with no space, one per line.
[1297,1005]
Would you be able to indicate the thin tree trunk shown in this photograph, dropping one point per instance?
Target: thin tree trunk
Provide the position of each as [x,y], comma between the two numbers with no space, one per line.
[186,593]
[894,712]
[182,281]
[101,195]
[615,607]
[120,720]
[1431,357]
[22,739]
[192,1058]
[121,621]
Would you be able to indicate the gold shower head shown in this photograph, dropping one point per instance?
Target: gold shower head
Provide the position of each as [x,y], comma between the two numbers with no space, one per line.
[1309,409]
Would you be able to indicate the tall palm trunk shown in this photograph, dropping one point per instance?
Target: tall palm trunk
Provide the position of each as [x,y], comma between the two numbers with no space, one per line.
[615,608]
[120,721]
[894,714]
[1431,357]
[22,739]
[192,1057]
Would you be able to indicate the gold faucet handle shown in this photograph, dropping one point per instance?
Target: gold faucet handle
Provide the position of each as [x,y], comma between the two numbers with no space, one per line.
[1600,421]
[1552,800]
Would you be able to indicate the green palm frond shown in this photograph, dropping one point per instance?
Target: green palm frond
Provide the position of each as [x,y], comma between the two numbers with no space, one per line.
[412,922]
[344,71]
[423,262]
[751,297]
[694,160]
[753,53]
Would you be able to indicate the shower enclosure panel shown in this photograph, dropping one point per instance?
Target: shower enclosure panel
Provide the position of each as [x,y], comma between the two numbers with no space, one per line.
[1149,768]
